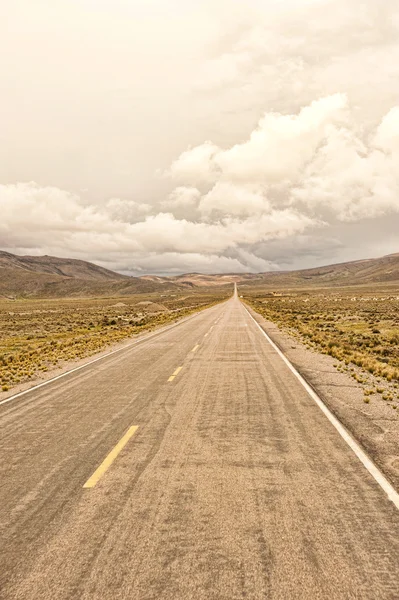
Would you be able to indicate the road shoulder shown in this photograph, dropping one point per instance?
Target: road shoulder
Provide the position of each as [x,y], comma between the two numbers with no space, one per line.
[375,426]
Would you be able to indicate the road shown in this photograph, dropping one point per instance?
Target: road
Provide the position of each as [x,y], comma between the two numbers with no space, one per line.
[134,479]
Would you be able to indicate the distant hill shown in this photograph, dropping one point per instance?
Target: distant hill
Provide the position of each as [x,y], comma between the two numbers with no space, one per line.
[198,279]
[360,272]
[48,276]
[383,270]
[64,267]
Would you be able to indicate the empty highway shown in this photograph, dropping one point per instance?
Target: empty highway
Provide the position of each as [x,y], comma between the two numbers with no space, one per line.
[191,465]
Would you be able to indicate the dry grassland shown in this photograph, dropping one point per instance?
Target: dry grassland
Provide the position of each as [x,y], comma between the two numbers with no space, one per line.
[359,329]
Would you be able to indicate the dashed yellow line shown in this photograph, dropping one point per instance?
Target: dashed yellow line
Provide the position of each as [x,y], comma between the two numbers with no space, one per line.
[171,378]
[195,348]
[107,462]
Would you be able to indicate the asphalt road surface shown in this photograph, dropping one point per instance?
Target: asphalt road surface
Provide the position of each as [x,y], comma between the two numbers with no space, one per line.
[134,478]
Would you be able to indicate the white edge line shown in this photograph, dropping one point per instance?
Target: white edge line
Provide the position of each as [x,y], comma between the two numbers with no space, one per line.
[143,339]
[362,456]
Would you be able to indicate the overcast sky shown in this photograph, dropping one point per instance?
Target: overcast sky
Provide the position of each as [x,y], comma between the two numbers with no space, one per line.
[166,136]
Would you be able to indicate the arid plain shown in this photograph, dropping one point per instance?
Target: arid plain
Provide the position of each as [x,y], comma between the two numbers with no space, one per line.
[185,457]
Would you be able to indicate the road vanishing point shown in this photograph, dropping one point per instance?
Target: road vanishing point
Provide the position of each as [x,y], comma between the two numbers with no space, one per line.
[192,464]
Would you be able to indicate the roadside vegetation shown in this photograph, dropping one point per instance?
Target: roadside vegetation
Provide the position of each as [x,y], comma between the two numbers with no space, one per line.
[39,335]
[358,329]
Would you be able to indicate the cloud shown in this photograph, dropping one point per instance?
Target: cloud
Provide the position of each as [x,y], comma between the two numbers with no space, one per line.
[387,135]
[182,197]
[294,175]
[276,150]
[175,263]
[282,144]
[318,162]
[350,180]
[126,210]
[276,125]
[196,165]
[226,199]
[54,221]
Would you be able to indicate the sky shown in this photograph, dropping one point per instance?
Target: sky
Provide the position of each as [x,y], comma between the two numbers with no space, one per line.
[171,136]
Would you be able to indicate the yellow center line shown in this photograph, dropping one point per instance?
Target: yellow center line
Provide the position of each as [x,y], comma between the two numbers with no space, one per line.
[195,348]
[206,335]
[107,462]
[171,378]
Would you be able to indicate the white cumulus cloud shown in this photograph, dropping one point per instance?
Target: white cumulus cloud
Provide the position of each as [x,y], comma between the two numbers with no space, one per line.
[275,124]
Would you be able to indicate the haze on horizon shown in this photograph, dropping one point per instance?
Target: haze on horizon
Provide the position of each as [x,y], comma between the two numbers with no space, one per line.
[167,137]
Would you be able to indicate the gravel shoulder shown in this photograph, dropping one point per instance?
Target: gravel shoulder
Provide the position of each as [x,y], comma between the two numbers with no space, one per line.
[374,425]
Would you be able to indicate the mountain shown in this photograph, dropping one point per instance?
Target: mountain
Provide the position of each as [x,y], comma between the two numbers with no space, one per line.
[384,270]
[64,267]
[49,276]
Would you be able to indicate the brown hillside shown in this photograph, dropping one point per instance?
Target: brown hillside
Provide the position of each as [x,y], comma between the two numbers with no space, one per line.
[52,277]
[64,267]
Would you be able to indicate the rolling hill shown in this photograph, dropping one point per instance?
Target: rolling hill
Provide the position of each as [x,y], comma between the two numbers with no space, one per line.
[384,270]
[49,276]
[64,267]
[361,272]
